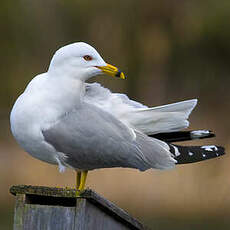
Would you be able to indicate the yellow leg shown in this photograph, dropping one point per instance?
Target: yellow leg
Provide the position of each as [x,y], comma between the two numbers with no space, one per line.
[82,182]
[78,179]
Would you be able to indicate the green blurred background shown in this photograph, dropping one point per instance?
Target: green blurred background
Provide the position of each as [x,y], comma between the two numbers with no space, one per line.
[170,51]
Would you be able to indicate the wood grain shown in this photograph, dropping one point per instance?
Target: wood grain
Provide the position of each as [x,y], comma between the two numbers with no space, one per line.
[42,208]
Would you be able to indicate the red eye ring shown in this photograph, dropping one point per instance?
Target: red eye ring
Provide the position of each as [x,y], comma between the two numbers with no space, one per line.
[88,57]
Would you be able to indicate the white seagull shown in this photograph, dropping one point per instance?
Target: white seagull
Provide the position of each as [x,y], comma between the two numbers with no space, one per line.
[62,120]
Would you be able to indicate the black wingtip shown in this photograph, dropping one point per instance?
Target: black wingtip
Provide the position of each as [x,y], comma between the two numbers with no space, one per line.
[192,154]
[183,135]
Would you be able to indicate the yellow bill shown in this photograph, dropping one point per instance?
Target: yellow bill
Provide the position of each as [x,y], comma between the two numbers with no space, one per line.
[112,71]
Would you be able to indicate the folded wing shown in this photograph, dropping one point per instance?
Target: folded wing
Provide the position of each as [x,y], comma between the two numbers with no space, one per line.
[167,118]
[90,138]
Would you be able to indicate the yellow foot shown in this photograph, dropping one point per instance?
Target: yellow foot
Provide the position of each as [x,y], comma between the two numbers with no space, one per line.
[80,182]
[78,193]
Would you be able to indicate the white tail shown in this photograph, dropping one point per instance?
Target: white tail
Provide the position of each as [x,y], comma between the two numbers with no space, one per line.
[166,118]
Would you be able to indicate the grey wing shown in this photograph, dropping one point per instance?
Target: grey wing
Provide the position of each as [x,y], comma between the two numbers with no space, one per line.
[92,138]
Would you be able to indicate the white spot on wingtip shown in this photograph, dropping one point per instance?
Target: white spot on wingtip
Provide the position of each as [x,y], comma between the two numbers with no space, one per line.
[204,155]
[177,153]
[199,133]
[190,153]
[209,148]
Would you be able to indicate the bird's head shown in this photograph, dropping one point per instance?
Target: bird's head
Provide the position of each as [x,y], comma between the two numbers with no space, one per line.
[82,61]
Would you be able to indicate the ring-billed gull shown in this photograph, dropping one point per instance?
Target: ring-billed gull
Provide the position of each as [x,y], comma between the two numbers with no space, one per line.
[62,120]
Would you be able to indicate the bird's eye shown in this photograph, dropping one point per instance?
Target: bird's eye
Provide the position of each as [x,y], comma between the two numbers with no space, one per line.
[88,57]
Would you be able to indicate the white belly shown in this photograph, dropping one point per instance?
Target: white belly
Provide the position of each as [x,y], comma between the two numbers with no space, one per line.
[28,133]
[37,109]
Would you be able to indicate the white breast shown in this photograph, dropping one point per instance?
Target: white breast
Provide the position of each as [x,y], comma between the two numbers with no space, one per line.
[26,119]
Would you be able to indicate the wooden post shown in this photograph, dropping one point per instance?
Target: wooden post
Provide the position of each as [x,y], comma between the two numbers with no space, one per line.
[43,208]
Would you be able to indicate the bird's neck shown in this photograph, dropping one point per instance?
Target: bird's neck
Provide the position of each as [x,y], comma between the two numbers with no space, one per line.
[68,91]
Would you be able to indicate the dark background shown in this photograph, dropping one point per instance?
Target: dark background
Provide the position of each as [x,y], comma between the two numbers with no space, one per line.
[170,51]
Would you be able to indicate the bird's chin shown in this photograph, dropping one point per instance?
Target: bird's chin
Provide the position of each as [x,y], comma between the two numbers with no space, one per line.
[93,72]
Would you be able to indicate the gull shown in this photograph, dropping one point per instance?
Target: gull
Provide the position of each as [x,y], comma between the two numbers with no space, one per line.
[62,120]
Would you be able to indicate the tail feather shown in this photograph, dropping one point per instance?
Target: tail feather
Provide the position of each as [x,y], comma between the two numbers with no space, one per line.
[182,106]
[167,118]
[192,154]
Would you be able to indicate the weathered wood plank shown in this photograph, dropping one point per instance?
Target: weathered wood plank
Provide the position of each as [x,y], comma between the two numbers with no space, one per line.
[97,219]
[40,207]
[43,191]
[48,217]
[19,212]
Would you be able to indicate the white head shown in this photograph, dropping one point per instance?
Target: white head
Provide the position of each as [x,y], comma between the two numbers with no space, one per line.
[80,61]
